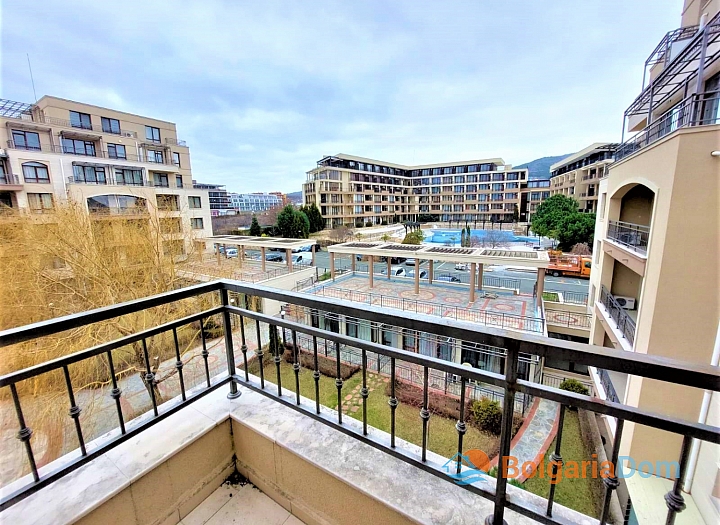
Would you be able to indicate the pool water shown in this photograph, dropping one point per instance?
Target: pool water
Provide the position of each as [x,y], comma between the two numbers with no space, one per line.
[453,236]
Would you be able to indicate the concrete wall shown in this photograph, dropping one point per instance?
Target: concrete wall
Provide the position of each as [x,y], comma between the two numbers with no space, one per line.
[284,282]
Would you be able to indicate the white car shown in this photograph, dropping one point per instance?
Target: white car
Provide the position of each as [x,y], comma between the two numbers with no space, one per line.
[395,271]
[231,253]
[463,267]
[301,258]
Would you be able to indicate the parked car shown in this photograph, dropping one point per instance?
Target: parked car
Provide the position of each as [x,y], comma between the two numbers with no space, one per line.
[410,262]
[301,258]
[394,260]
[274,257]
[395,271]
[447,278]
[423,274]
[462,267]
[231,253]
[306,248]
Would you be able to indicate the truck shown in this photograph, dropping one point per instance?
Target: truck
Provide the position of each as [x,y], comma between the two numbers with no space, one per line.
[569,265]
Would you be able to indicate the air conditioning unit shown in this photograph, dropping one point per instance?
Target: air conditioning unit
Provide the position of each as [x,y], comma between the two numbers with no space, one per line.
[628,303]
[130,134]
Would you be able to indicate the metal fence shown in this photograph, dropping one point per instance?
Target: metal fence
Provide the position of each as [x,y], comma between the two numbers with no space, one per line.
[568,319]
[570,297]
[501,320]
[648,366]
[608,386]
[624,322]
[633,236]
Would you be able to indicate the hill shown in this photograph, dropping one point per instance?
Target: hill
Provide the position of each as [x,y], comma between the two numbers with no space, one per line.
[295,197]
[540,168]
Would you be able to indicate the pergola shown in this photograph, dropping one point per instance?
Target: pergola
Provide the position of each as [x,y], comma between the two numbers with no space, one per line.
[241,242]
[477,258]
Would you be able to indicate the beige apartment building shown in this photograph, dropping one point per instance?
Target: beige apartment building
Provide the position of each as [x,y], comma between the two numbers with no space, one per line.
[577,175]
[354,190]
[112,163]
[655,280]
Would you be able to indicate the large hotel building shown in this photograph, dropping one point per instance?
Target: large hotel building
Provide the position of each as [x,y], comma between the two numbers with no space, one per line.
[354,190]
[110,162]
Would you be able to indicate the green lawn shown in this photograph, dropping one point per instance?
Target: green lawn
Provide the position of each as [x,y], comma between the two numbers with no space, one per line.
[443,437]
[580,494]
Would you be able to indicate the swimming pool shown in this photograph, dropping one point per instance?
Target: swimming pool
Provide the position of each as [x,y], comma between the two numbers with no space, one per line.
[453,236]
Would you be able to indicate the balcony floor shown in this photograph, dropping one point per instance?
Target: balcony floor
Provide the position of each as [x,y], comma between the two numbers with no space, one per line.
[235,503]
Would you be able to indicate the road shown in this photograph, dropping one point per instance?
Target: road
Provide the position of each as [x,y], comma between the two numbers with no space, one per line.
[526,277]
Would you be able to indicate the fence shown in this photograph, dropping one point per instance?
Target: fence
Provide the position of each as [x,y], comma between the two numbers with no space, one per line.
[624,322]
[568,319]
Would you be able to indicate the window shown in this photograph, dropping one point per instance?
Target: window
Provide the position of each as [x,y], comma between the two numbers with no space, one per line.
[176,159]
[80,120]
[110,125]
[78,147]
[170,225]
[106,204]
[178,181]
[351,329]
[173,248]
[168,202]
[89,174]
[116,151]
[36,172]
[155,156]
[196,223]
[160,180]
[26,140]
[40,202]
[129,177]
[194,202]
[152,134]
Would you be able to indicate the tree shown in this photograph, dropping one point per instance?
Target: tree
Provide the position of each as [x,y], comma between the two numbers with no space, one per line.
[576,228]
[385,237]
[516,213]
[317,223]
[255,230]
[581,249]
[274,344]
[293,224]
[414,237]
[493,239]
[340,233]
[551,215]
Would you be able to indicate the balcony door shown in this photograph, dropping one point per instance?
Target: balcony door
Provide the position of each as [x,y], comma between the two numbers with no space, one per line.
[710,105]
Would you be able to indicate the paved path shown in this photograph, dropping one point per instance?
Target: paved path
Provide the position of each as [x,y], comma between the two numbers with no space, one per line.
[536,434]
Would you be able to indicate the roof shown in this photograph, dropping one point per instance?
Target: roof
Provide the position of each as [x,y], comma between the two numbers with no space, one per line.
[495,160]
[580,154]
[258,242]
[530,259]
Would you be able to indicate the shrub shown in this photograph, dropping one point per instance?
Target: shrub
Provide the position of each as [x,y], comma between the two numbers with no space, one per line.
[326,365]
[324,277]
[368,223]
[414,237]
[384,223]
[487,415]
[573,385]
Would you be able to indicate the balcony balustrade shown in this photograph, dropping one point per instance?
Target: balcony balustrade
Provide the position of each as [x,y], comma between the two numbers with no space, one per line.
[54,148]
[625,323]
[632,236]
[222,313]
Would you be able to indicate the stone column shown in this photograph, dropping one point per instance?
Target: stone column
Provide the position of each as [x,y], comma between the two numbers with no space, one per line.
[288,257]
[352,263]
[332,265]
[389,266]
[312,251]
[480,276]
[473,269]
[217,253]
[430,271]
[417,276]
[370,269]
[540,285]
[262,258]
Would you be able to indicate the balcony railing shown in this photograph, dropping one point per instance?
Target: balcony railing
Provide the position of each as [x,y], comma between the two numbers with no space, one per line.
[625,324]
[567,319]
[52,121]
[54,148]
[696,110]
[605,381]
[647,366]
[110,180]
[632,236]
[175,142]
[9,179]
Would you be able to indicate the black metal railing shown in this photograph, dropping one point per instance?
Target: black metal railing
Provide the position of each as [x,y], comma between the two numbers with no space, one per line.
[580,320]
[643,365]
[625,323]
[633,236]
[606,382]
[571,297]
[696,110]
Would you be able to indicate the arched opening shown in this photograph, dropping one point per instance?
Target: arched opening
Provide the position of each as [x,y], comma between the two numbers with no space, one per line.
[630,217]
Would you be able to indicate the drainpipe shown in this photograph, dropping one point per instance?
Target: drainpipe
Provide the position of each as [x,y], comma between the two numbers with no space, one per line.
[704,409]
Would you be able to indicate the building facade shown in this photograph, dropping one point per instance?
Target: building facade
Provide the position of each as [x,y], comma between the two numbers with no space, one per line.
[220,203]
[110,162]
[577,175]
[654,283]
[354,190]
[254,202]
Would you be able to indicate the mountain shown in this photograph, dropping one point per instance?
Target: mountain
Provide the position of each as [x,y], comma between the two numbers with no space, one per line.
[540,168]
[295,197]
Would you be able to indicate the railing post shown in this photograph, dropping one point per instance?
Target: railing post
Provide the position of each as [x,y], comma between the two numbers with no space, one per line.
[234,392]
[511,364]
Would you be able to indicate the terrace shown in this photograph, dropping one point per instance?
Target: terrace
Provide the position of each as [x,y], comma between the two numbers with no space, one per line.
[158,464]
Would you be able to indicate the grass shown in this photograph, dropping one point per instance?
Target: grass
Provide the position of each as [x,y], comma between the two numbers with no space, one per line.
[580,494]
[551,296]
[443,437]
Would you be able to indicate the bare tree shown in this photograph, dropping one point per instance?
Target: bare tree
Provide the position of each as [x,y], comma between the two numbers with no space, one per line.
[581,248]
[494,239]
[340,234]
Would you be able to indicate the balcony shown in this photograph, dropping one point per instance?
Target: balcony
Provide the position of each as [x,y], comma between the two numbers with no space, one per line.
[625,324]
[175,142]
[631,236]
[10,182]
[696,110]
[54,148]
[159,464]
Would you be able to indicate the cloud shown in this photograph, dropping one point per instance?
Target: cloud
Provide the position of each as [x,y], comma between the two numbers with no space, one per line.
[262,90]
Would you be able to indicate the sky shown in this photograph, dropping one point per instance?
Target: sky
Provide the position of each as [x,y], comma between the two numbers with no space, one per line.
[261,90]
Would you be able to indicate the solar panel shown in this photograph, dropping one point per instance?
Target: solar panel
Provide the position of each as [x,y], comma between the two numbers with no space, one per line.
[510,253]
[451,251]
[361,245]
[400,247]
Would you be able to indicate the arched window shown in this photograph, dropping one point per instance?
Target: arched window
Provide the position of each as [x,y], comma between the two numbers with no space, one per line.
[36,172]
